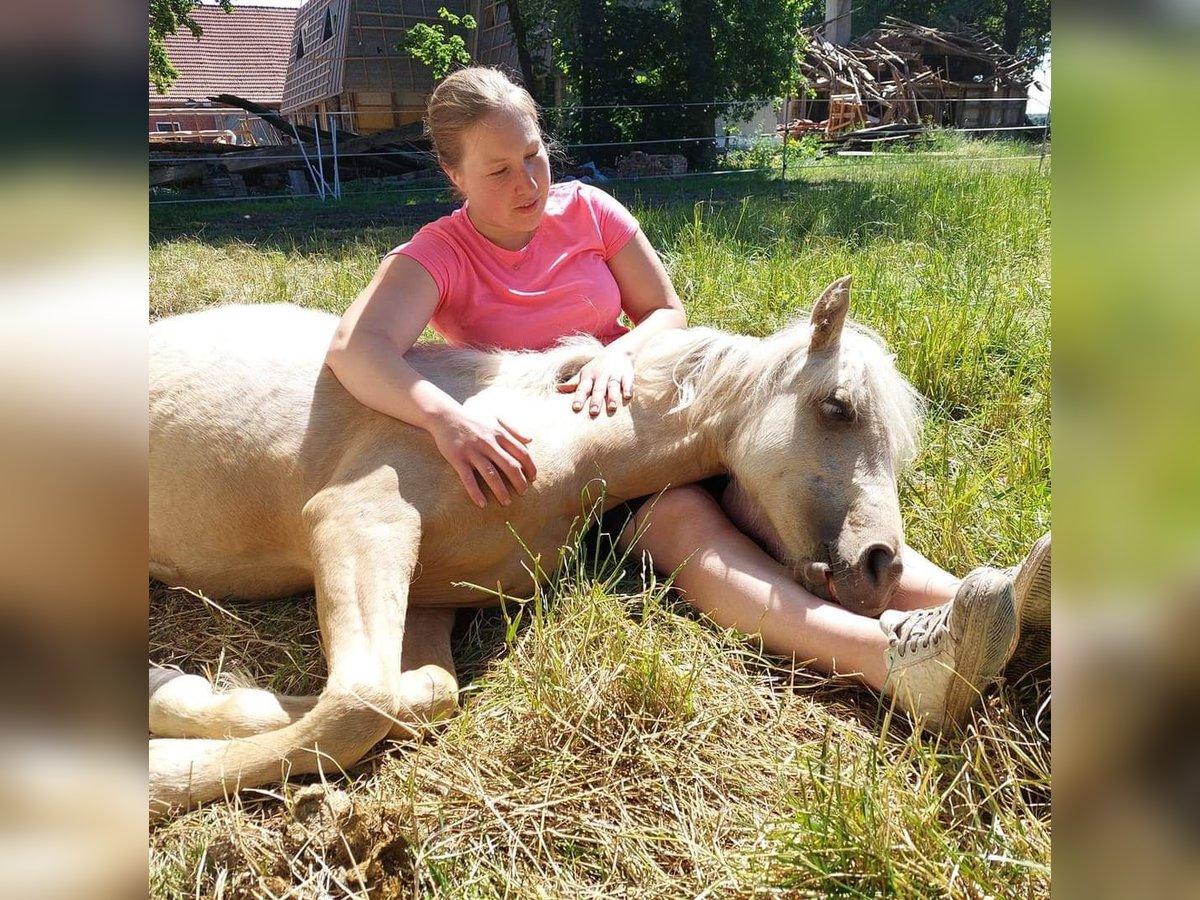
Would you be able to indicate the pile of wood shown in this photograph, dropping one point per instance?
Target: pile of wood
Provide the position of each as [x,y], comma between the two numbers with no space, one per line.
[904,39]
[401,151]
[645,165]
[901,73]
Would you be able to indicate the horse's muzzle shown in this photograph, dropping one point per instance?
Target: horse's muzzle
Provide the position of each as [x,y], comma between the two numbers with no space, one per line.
[864,587]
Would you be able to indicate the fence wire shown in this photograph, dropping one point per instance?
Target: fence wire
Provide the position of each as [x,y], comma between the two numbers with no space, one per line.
[315,162]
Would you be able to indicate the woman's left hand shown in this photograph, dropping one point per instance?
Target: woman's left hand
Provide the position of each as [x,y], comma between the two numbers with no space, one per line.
[601,384]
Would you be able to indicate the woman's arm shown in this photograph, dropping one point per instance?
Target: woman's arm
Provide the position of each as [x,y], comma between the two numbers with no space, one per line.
[367,356]
[650,302]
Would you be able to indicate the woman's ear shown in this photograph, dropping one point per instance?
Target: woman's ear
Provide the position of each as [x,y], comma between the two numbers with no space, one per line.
[453,176]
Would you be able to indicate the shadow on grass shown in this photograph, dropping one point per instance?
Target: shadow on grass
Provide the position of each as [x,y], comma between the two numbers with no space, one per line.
[853,208]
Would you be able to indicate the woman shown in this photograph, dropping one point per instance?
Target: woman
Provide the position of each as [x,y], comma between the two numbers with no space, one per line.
[524,263]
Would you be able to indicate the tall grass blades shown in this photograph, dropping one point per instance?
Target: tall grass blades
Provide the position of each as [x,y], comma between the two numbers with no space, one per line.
[611,743]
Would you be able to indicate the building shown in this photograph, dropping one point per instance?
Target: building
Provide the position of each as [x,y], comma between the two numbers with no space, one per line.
[343,59]
[907,73]
[245,53]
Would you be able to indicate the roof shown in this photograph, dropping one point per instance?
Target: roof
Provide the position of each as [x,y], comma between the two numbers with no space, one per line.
[244,52]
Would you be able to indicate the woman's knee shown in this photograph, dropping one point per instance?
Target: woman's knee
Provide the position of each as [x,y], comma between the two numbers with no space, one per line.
[675,512]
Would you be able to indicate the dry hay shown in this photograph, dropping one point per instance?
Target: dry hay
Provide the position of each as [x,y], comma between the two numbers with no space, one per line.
[611,745]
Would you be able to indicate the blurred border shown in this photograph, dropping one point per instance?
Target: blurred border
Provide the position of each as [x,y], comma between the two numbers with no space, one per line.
[1127,430]
[73,276]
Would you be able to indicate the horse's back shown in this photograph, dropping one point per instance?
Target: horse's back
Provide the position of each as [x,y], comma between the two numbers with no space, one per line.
[241,416]
[247,425]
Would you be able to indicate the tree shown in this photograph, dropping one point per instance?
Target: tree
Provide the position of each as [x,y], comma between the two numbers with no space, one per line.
[534,80]
[431,45]
[668,66]
[166,16]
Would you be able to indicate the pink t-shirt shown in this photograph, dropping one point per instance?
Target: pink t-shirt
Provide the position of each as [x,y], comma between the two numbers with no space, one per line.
[558,284]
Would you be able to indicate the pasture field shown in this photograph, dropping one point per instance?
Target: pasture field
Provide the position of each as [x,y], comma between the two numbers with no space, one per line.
[611,743]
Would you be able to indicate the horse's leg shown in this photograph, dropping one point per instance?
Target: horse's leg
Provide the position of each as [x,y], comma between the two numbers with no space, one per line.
[186,706]
[429,685]
[362,567]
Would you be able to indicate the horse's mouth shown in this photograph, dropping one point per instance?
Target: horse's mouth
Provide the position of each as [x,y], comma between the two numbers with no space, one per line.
[829,586]
[818,575]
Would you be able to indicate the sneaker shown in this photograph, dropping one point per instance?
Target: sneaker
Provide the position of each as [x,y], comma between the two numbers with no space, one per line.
[940,659]
[1031,594]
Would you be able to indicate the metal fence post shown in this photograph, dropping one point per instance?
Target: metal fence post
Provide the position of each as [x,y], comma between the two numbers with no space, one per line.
[787,102]
[1045,133]
[337,178]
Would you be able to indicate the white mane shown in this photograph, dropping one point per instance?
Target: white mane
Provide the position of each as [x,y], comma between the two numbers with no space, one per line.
[710,371]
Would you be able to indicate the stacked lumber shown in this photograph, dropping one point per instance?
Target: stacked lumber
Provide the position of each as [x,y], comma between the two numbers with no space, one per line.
[899,36]
[896,74]
[399,151]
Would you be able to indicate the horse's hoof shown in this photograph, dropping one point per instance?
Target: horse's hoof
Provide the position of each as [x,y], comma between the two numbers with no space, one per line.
[160,676]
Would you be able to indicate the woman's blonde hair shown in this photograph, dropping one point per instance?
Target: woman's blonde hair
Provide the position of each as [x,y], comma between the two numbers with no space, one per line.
[465,97]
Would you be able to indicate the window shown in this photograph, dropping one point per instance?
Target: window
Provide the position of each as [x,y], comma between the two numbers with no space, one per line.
[300,47]
[328,33]
[166,126]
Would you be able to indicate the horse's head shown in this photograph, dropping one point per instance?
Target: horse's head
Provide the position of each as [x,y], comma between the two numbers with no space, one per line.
[816,455]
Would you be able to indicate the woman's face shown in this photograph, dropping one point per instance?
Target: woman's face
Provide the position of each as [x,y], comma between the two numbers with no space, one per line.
[504,174]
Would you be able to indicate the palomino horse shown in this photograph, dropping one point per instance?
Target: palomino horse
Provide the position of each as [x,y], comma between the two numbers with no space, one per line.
[267,479]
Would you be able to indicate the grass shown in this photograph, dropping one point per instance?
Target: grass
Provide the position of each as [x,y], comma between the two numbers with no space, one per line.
[611,744]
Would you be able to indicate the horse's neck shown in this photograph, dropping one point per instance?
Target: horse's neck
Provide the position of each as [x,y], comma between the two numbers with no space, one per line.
[648,446]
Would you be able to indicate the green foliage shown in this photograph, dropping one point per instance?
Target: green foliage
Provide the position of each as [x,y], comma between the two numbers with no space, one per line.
[657,59]
[765,152]
[166,17]
[431,45]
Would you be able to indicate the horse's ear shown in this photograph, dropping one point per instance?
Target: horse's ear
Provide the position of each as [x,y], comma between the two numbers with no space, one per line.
[829,315]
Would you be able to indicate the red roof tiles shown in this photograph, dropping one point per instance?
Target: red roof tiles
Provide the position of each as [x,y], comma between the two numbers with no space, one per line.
[244,52]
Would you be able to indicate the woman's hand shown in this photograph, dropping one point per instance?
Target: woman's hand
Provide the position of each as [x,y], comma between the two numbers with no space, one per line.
[475,441]
[603,382]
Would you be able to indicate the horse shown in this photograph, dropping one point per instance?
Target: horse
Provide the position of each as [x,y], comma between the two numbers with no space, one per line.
[268,480]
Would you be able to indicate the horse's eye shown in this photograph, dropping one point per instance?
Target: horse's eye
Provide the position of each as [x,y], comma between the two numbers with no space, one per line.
[838,408]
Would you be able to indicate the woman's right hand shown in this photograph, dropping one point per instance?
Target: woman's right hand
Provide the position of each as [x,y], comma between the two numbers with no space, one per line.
[475,441]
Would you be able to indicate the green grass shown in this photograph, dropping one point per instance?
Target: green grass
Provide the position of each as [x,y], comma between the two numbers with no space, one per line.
[611,744]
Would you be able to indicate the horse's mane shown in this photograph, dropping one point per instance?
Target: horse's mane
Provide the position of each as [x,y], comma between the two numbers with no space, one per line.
[712,370]
[705,372]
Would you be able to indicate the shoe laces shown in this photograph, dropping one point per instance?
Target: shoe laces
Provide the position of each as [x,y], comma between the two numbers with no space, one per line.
[922,628]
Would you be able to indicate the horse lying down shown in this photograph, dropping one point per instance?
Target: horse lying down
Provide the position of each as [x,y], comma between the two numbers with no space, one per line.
[267,479]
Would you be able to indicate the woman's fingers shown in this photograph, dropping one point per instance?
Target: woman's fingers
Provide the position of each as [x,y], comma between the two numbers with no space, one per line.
[600,395]
[518,435]
[601,387]
[613,395]
[466,474]
[494,479]
[521,456]
[512,469]
[583,391]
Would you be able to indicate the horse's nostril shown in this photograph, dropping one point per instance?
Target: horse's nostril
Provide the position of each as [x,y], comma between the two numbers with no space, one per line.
[882,564]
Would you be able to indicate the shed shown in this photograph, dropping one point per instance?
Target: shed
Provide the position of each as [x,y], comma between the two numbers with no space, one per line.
[907,73]
[343,59]
[244,52]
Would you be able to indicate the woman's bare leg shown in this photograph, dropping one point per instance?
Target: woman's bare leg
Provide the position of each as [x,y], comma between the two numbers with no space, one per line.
[935,653]
[730,579]
[922,583]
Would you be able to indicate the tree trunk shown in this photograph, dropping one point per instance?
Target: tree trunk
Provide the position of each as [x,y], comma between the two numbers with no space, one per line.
[591,24]
[1014,24]
[698,18]
[521,36]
